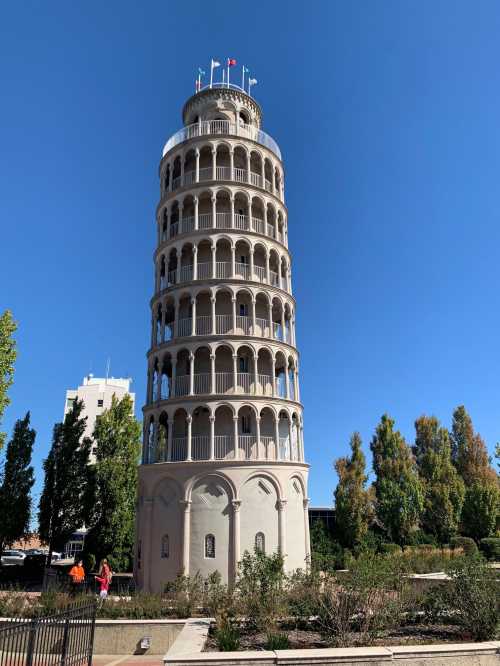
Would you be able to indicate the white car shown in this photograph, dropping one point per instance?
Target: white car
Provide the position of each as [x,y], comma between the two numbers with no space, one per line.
[12,557]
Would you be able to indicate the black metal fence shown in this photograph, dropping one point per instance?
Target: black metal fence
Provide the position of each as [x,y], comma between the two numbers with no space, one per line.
[65,638]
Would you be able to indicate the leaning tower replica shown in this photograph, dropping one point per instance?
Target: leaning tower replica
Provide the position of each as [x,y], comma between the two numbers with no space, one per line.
[223,467]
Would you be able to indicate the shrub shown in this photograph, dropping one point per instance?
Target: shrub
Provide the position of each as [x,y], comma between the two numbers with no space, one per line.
[472,597]
[466,543]
[227,638]
[491,548]
[389,548]
[277,641]
[426,559]
[302,593]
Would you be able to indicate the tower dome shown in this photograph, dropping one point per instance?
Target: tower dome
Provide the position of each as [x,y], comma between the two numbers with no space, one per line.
[223,468]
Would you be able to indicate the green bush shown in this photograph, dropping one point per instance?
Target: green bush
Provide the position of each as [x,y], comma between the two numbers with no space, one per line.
[466,543]
[277,641]
[472,597]
[227,638]
[491,548]
[389,548]
[260,589]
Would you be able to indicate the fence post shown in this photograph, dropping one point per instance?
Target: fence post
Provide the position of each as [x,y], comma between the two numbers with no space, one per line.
[92,632]
[64,647]
[31,642]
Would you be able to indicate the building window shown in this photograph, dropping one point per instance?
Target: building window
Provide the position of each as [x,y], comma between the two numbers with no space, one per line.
[69,403]
[210,546]
[100,403]
[246,427]
[243,361]
[260,542]
[165,547]
[243,310]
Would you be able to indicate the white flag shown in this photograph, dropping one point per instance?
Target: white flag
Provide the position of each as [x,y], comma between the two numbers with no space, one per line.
[252,82]
[215,63]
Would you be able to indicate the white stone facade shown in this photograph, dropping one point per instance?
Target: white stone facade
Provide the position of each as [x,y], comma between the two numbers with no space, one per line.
[223,467]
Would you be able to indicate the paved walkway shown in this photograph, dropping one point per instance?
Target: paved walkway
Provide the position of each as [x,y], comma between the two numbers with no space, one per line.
[127,660]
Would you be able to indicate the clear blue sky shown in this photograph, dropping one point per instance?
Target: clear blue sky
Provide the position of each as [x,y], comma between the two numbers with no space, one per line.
[387,114]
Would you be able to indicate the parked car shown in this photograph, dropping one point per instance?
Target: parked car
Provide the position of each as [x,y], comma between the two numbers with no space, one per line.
[10,557]
[34,551]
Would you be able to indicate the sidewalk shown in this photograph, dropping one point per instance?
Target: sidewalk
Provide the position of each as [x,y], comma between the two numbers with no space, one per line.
[127,660]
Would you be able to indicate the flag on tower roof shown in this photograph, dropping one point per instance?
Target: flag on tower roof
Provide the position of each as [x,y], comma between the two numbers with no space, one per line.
[231,62]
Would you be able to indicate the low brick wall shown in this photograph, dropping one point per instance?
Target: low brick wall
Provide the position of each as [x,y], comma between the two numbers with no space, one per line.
[124,636]
[187,651]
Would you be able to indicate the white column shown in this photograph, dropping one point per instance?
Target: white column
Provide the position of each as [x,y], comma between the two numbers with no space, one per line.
[232,211]
[236,533]
[254,322]
[263,173]
[235,436]
[257,430]
[186,535]
[282,527]
[181,217]
[275,390]
[195,262]
[270,317]
[231,160]
[296,379]
[287,380]
[169,440]
[196,218]
[248,166]
[235,372]
[193,316]
[277,437]
[256,374]
[214,259]
[214,211]
[178,269]
[212,373]
[283,324]
[214,318]
[174,373]
[305,503]
[168,223]
[197,168]
[214,163]
[233,260]
[162,323]
[268,269]
[211,418]
[251,264]
[189,420]
[191,373]
[233,302]
[265,220]
[176,320]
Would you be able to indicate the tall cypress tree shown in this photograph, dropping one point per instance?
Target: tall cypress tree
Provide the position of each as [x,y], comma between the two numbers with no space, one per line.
[18,479]
[61,510]
[111,511]
[399,497]
[7,359]
[351,496]
[443,488]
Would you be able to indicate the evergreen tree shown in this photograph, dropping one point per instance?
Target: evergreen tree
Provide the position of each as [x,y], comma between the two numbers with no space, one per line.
[442,486]
[351,498]
[497,454]
[111,516]
[61,509]
[481,509]
[469,451]
[7,359]
[15,491]
[397,486]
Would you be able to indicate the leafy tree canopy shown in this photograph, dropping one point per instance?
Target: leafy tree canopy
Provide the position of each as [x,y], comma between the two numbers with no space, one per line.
[7,359]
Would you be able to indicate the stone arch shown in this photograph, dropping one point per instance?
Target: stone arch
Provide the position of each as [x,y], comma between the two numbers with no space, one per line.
[167,519]
[259,513]
[295,525]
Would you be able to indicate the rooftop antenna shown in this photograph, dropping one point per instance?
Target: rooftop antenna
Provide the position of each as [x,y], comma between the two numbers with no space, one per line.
[108,366]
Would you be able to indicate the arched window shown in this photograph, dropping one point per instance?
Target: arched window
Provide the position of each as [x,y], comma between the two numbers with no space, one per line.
[260,542]
[165,546]
[210,546]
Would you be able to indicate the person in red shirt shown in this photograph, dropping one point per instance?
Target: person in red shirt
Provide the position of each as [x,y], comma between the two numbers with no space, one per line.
[103,586]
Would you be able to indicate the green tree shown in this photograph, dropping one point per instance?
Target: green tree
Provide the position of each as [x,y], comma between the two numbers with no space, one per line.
[481,509]
[61,509]
[15,491]
[469,451]
[111,514]
[7,359]
[399,497]
[352,507]
[497,455]
[442,486]
[326,553]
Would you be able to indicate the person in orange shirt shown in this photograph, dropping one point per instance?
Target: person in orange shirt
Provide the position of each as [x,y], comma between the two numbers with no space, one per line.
[77,575]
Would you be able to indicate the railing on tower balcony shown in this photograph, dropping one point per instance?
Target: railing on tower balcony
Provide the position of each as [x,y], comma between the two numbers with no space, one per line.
[224,384]
[243,325]
[242,222]
[211,127]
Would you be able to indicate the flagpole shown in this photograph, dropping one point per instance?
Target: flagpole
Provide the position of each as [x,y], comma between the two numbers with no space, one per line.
[199,82]
[223,77]
[211,72]
[243,77]
[228,73]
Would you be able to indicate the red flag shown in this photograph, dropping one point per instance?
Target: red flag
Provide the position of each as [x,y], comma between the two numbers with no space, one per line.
[231,62]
